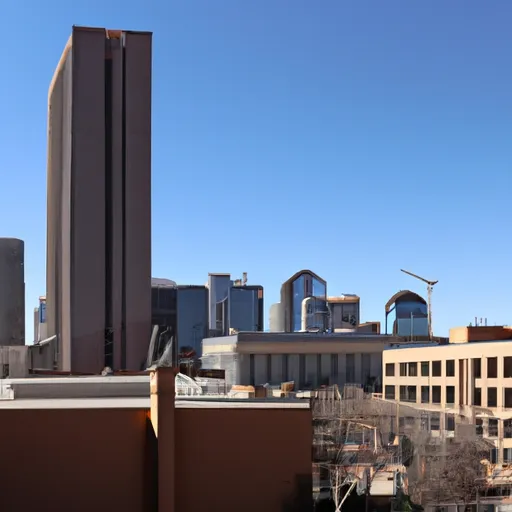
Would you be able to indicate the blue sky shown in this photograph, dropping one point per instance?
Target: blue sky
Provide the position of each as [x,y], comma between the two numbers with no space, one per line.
[353,138]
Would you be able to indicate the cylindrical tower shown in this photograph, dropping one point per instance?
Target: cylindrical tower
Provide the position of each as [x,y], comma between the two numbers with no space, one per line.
[12,292]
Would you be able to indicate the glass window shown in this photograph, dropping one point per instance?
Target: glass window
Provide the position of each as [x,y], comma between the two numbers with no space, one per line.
[450,422]
[425,368]
[403,369]
[493,427]
[389,392]
[413,369]
[425,394]
[507,367]
[507,455]
[435,420]
[411,318]
[478,397]
[479,427]
[390,369]
[298,297]
[492,397]
[319,289]
[477,368]
[492,367]
[436,394]
[450,394]
[450,368]
[436,368]
[507,429]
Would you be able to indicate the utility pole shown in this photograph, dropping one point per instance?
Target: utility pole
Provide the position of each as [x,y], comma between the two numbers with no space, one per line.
[430,288]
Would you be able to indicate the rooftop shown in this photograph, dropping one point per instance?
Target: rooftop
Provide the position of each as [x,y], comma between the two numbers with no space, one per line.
[290,337]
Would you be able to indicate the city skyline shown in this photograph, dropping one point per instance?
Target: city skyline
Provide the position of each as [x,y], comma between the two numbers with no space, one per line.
[242,122]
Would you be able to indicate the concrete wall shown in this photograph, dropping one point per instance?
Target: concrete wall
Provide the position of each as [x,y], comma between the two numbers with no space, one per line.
[78,460]
[262,462]
[109,459]
[12,292]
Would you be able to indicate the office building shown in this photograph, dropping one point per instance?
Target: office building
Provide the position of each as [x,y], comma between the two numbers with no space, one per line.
[181,312]
[309,359]
[471,377]
[99,201]
[12,291]
[233,305]
[287,315]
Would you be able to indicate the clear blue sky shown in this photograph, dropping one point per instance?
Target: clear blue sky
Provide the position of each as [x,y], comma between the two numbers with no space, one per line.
[349,137]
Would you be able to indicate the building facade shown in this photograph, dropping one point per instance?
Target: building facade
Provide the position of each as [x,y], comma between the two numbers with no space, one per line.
[99,201]
[407,315]
[233,305]
[470,376]
[309,359]
[12,291]
[287,315]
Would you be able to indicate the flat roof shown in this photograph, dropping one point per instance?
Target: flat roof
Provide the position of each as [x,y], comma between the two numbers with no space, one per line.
[399,346]
[144,403]
[290,337]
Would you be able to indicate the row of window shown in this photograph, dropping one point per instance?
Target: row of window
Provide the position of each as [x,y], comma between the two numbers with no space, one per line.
[434,368]
[432,394]
[428,394]
[426,368]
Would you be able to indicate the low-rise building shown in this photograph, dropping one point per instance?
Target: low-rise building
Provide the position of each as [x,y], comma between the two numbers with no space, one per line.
[309,359]
[471,376]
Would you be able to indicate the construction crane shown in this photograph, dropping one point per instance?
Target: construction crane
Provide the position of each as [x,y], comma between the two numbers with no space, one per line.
[430,287]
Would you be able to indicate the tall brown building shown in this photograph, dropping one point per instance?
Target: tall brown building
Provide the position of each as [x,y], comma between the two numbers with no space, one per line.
[99,201]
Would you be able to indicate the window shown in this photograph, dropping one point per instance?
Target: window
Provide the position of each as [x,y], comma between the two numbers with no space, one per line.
[479,427]
[477,400]
[492,368]
[450,394]
[436,368]
[477,368]
[408,393]
[425,368]
[436,394]
[508,398]
[507,367]
[450,368]
[413,369]
[450,422]
[435,421]
[403,369]
[494,455]
[493,427]
[507,455]
[390,369]
[5,371]
[492,397]
[425,394]
[389,392]
[507,429]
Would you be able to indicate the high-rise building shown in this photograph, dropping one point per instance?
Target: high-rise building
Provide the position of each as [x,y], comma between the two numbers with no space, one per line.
[12,292]
[99,201]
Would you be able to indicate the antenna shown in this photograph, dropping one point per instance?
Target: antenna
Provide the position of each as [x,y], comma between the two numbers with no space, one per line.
[430,287]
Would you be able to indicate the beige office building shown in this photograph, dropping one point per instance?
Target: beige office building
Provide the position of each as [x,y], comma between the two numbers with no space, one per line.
[99,201]
[471,376]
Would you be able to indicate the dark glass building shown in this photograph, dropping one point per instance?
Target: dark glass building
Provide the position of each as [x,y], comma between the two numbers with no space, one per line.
[300,286]
[407,314]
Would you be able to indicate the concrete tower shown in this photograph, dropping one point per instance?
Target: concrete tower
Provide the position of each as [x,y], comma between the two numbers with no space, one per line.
[99,201]
[12,292]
